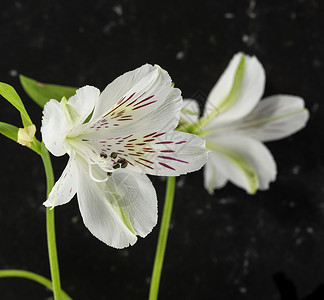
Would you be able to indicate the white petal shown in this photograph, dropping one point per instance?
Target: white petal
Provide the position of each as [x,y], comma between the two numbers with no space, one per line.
[133,95]
[170,154]
[54,128]
[119,209]
[243,100]
[65,187]
[274,118]
[244,161]
[213,179]
[189,111]
[164,118]
[136,198]
[164,154]
[84,102]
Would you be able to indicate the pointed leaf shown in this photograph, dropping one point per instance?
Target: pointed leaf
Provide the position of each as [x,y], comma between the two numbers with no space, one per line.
[9,93]
[42,92]
[8,130]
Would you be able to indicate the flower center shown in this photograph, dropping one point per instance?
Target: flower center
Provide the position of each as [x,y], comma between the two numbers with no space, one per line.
[116,164]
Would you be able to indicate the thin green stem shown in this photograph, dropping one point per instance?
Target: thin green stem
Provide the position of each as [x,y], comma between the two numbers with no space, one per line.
[32,276]
[51,241]
[162,241]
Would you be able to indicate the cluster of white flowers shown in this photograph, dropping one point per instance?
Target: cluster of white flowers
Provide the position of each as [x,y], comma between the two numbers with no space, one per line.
[115,137]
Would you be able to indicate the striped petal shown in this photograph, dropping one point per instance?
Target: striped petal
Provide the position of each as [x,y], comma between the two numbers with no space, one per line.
[165,117]
[155,153]
[131,96]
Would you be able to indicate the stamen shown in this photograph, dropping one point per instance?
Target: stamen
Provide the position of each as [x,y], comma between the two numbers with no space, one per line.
[103,155]
[116,166]
[113,154]
[124,164]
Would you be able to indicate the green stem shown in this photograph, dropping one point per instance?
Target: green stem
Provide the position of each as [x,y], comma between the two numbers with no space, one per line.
[51,241]
[162,241]
[32,276]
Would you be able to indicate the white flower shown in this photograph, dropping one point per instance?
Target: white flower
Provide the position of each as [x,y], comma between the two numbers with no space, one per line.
[113,139]
[235,123]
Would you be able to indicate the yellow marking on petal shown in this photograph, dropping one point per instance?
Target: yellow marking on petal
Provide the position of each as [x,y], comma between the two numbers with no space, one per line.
[119,206]
[236,87]
[26,135]
[228,101]
[238,160]
[267,120]
[189,112]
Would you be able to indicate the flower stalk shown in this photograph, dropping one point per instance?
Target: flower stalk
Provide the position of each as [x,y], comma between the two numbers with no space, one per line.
[32,276]
[162,241]
[51,240]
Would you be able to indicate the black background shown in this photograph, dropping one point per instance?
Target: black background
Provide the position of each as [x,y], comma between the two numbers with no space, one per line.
[226,246]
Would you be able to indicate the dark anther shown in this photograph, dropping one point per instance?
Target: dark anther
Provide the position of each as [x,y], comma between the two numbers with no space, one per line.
[104,155]
[121,160]
[124,164]
[116,166]
[109,173]
[113,154]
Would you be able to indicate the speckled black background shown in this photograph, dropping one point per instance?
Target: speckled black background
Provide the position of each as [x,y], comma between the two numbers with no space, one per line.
[227,246]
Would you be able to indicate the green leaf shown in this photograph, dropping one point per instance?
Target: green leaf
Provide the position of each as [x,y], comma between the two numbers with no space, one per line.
[9,93]
[43,92]
[9,131]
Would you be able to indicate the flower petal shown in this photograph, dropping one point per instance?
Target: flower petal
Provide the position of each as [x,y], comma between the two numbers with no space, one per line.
[132,95]
[65,187]
[237,91]
[175,153]
[155,153]
[54,128]
[244,161]
[165,117]
[169,154]
[189,111]
[274,118]
[84,102]
[119,209]
[213,179]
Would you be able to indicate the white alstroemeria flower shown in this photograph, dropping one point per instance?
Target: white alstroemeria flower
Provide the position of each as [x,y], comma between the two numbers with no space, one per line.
[113,139]
[235,123]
